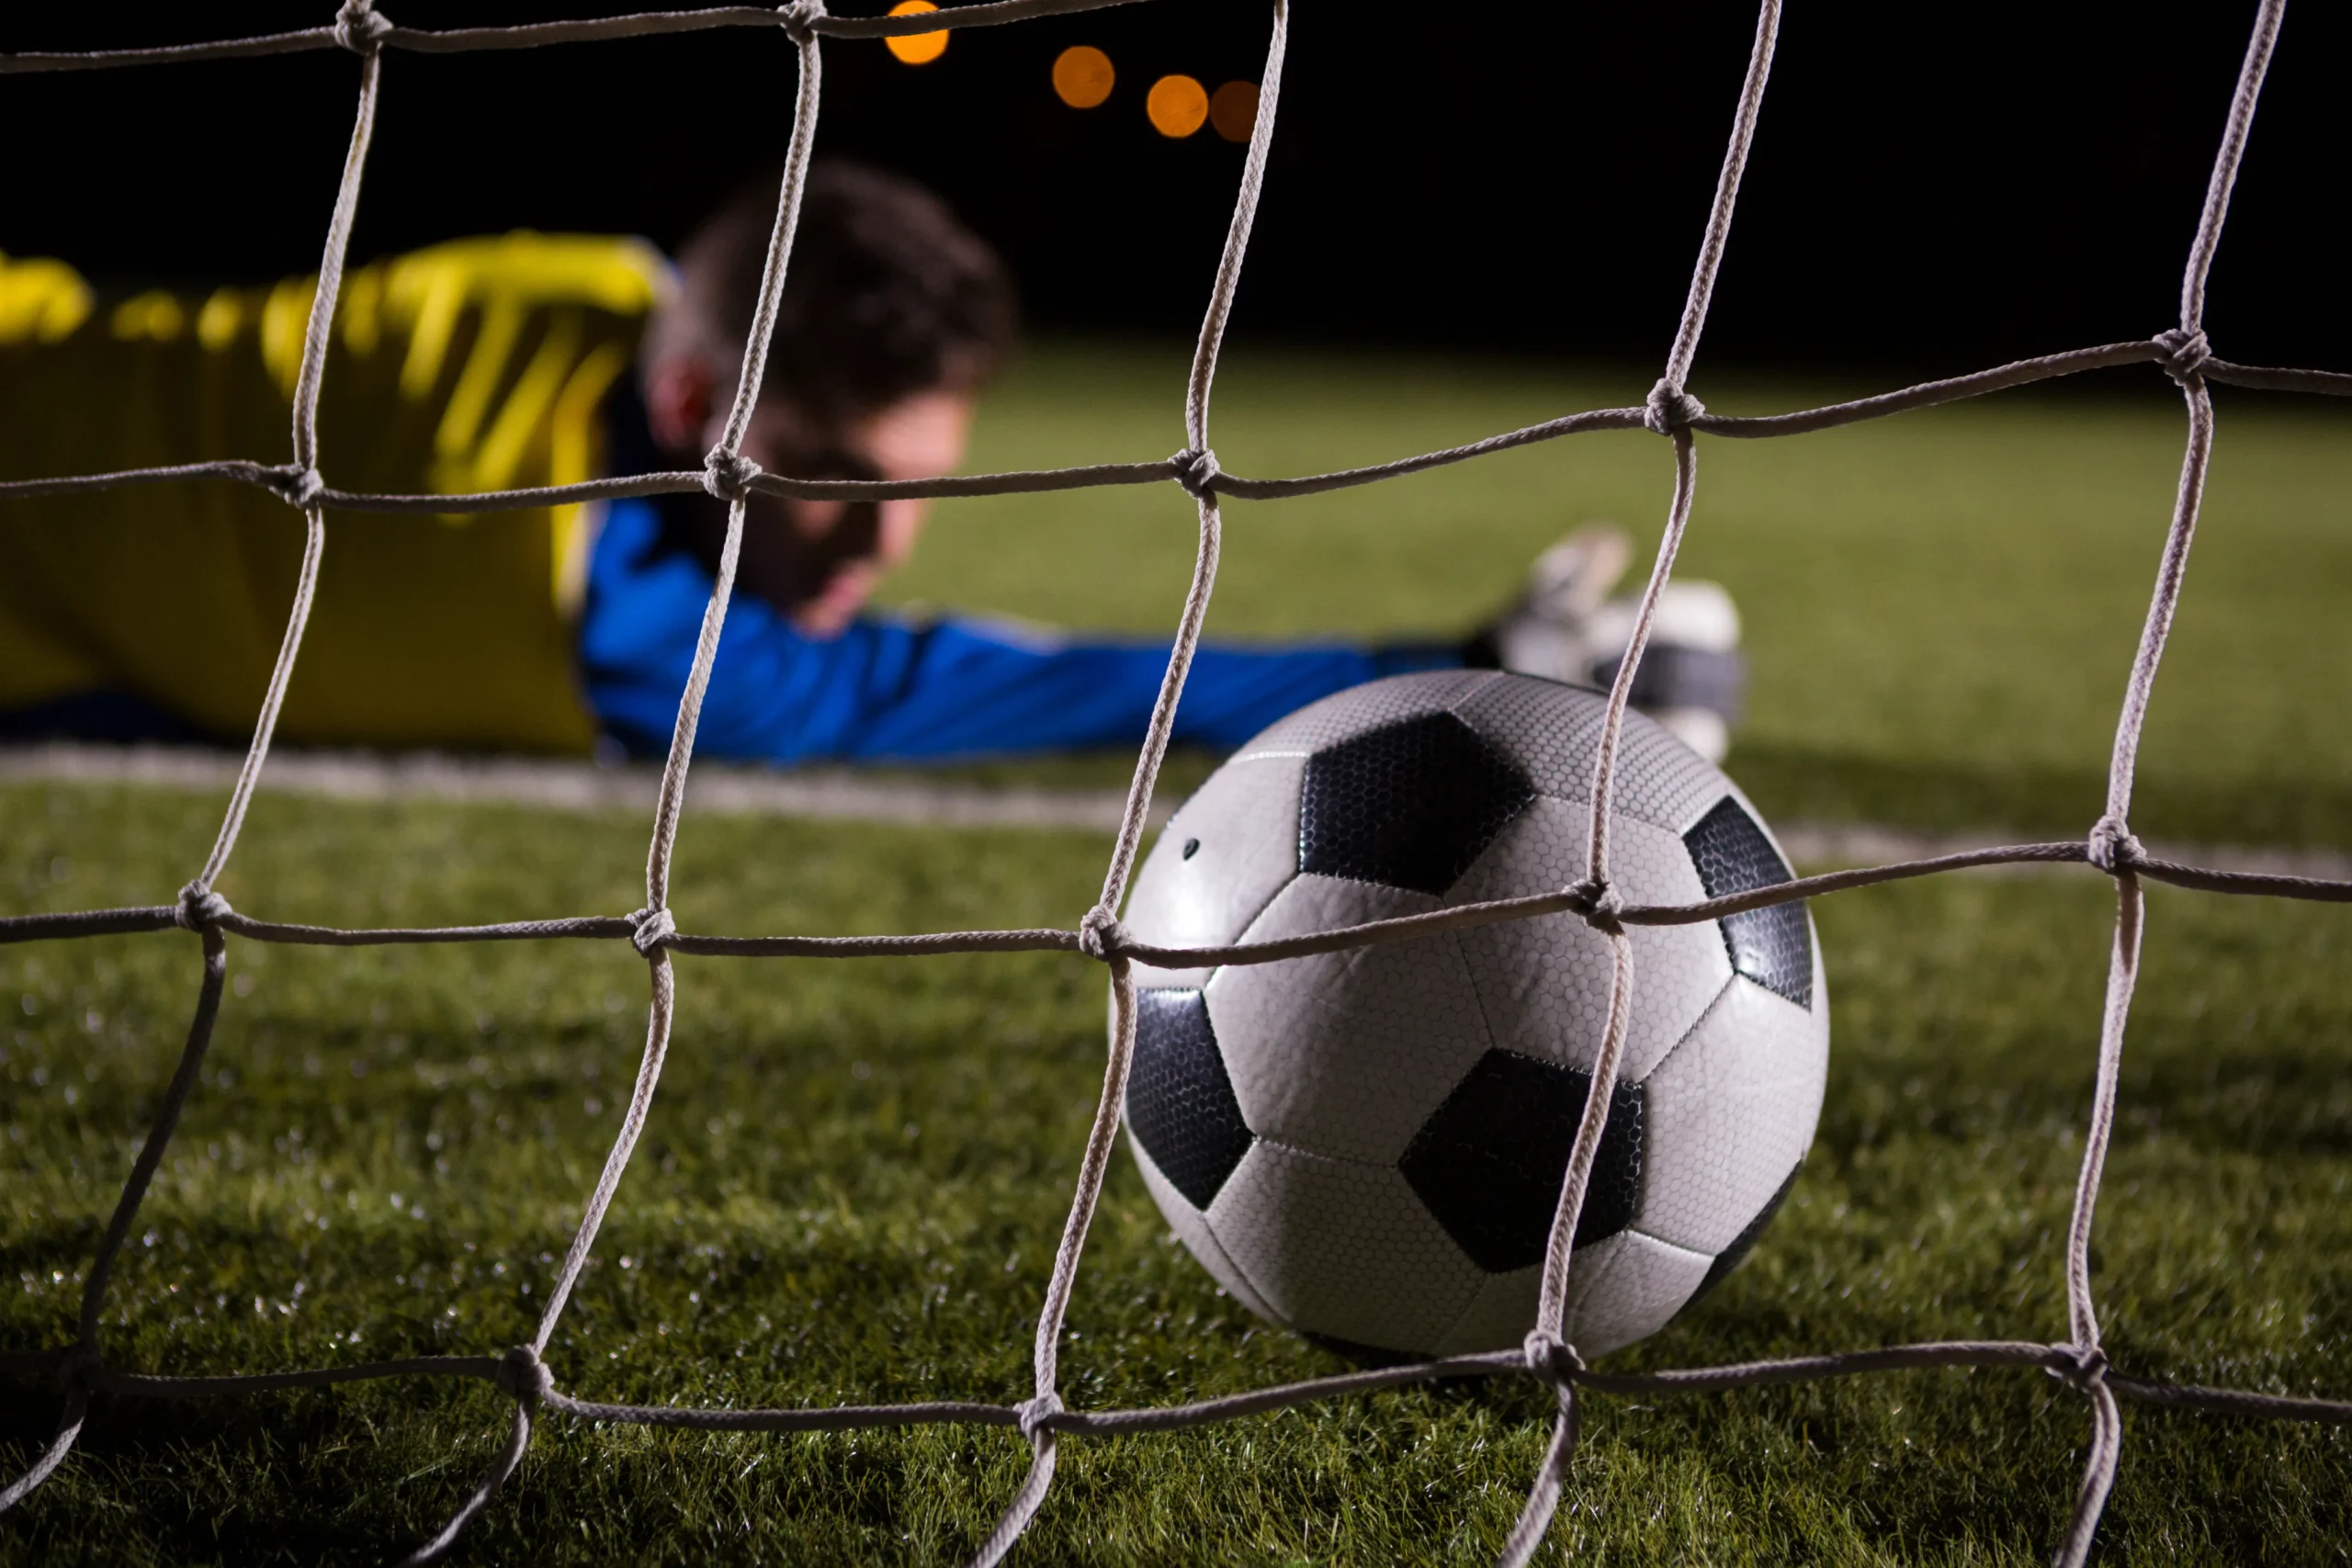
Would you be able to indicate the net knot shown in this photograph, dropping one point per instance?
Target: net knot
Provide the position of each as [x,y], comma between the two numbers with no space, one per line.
[1037,1415]
[2083,1366]
[800,19]
[727,475]
[1599,903]
[1100,935]
[1552,1359]
[297,487]
[202,908]
[651,931]
[2185,352]
[1196,470]
[1670,408]
[358,29]
[2112,847]
[524,1376]
[79,1367]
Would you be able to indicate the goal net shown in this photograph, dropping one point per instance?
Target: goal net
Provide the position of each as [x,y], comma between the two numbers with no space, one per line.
[1043,1420]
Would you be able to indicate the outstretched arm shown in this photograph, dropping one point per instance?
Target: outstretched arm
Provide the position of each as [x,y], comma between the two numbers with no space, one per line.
[887,689]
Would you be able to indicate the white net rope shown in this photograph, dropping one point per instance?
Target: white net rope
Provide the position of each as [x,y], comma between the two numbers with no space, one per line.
[1043,1419]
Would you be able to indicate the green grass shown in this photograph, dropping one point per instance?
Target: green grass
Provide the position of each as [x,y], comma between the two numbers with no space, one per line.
[1940,608]
[855,1172]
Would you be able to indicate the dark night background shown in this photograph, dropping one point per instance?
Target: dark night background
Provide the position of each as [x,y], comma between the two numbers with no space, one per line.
[1933,188]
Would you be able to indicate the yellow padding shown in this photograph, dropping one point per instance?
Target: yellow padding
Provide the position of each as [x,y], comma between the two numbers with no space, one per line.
[475,365]
[40,300]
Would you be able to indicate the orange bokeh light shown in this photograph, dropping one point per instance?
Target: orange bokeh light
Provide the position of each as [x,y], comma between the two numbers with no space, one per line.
[917,49]
[1233,110]
[1082,77]
[1178,106]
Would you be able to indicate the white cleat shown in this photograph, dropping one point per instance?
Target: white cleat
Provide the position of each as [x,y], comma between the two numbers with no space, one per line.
[1565,627]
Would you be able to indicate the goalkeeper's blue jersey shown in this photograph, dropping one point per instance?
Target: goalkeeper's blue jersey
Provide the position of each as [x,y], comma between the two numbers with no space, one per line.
[901,688]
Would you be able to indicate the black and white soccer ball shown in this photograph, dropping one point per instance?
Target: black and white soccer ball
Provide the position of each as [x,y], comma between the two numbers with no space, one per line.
[1368,1145]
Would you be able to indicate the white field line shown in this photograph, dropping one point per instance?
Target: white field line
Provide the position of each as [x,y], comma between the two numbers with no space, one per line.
[840,794]
[563,785]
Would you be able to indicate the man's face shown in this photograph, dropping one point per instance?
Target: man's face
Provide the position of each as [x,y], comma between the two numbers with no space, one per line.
[820,560]
[817,562]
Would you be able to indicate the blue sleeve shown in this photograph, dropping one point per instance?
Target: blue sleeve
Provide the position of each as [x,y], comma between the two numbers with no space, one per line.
[891,689]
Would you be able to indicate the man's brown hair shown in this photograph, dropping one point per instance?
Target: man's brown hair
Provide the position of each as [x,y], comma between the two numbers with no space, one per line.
[888,294]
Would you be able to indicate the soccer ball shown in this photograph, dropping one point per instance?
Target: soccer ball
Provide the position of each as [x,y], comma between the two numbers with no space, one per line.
[1368,1145]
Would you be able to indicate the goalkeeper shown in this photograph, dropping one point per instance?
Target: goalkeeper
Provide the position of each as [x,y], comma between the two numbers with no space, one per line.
[152,613]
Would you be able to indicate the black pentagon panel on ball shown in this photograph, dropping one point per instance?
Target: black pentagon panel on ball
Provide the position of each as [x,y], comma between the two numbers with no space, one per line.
[1773,947]
[1489,1163]
[1180,1102]
[1408,805]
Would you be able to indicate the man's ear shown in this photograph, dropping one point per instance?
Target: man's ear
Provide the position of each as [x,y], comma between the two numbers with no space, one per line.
[677,403]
